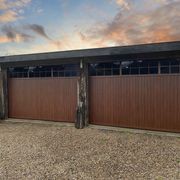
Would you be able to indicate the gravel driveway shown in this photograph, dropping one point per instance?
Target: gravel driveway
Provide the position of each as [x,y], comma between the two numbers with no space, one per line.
[42,151]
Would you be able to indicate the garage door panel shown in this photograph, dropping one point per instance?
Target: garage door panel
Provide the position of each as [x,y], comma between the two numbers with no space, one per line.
[147,102]
[43,98]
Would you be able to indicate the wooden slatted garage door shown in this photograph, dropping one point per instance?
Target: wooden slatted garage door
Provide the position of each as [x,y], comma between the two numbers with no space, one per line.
[146,102]
[43,98]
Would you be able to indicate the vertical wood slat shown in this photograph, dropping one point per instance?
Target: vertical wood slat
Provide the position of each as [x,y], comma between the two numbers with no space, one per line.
[145,102]
[43,98]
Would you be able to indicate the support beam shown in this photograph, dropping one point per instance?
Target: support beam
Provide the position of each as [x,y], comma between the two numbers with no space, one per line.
[3,94]
[82,119]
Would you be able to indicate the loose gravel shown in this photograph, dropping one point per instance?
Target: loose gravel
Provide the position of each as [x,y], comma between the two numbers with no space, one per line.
[42,151]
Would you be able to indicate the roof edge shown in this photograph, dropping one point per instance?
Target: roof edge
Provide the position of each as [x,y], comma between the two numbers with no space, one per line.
[95,52]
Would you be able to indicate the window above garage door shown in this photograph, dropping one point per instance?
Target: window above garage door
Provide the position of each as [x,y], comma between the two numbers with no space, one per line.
[136,67]
[65,70]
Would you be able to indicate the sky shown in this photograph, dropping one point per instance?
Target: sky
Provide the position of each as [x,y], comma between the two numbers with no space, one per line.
[34,26]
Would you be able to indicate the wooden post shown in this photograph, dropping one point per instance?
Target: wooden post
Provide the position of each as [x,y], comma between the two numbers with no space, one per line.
[3,94]
[82,119]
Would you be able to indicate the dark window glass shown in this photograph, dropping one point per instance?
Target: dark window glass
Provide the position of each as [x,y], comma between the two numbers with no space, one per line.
[169,66]
[136,67]
[92,69]
[144,70]
[125,71]
[45,71]
[153,70]
[116,71]
[60,73]
[125,64]
[108,72]
[55,74]
[175,69]
[164,63]
[25,74]
[143,63]
[153,64]
[116,65]
[174,62]
[68,73]
[100,66]
[31,74]
[165,70]
[108,65]
[100,72]
[92,72]
[135,70]
[134,64]
[37,74]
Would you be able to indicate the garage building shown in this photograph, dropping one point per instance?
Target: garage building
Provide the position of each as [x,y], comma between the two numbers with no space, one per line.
[134,86]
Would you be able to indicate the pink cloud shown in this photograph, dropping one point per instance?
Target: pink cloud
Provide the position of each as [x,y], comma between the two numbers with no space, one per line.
[5,4]
[161,24]
[8,16]
[8,12]
[4,39]
[124,3]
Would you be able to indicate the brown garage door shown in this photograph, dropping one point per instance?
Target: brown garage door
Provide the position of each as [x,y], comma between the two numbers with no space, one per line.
[147,102]
[43,98]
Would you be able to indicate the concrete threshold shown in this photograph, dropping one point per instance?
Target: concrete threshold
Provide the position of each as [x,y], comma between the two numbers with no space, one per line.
[135,131]
[54,123]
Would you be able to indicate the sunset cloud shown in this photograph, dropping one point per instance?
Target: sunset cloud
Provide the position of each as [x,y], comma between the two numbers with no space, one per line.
[8,16]
[10,9]
[4,39]
[25,34]
[5,4]
[124,3]
[14,35]
[161,24]
[38,29]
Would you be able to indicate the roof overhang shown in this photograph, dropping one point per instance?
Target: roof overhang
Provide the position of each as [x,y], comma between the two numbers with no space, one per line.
[146,51]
